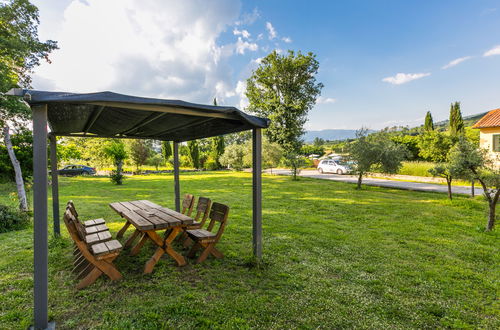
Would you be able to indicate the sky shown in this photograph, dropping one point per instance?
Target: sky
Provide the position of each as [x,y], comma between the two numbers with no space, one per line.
[382,63]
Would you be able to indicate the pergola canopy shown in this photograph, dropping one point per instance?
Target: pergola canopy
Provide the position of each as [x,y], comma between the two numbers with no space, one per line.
[108,114]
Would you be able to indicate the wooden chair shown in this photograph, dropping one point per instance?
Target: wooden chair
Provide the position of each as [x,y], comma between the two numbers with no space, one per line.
[187,204]
[207,239]
[202,212]
[92,260]
[96,233]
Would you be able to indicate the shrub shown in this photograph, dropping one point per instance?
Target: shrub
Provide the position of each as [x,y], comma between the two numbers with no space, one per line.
[11,219]
[116,178]
[211,164]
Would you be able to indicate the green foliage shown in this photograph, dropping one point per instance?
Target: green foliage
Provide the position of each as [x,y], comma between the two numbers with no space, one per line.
[155,160]
[22,143]
[429,123]
[115,150]
[375,152]
[318,142]
[166,150]
[283,88]
[194,153]
[434,146]
[12,219]
[233,156]
[217,146]
[472,135]
[411,143]
[116,177]
[139,151]
[456,122]
[310,149]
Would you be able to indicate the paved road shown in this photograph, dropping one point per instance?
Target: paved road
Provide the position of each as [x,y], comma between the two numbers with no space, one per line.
[417,186]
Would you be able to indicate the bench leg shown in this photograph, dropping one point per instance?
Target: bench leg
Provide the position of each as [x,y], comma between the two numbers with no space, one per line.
[123,230]
[205,253]
[216,253]
[91,277]
[107,267]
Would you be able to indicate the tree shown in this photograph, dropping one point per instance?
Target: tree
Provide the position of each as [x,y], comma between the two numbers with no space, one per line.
[429,123]
[20,52]
[284,89]
[375,151]
[469,162]
[233,156]
[434,146]
[156,160]
[456,122]
[194,153]
[443,170]
[166,150]
[139,151]
[217,149]
[318,142]
[115,150]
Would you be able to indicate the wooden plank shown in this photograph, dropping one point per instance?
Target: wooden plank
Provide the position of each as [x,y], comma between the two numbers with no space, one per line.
[129,206]
[99,248]
[183,218]
[92,238]
[94,222]
[138,221]
[151,204]
[140,205]
[172,222]
[159,222]
[113,245]
[118,208]
[104,236]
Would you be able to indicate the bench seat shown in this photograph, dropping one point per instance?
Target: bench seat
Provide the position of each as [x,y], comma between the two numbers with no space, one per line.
[94,222]
[201,235]
[103,249]
[95,229]
[100,237]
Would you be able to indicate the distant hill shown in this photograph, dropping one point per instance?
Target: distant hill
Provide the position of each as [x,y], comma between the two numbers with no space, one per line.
[468,120]
[330,134]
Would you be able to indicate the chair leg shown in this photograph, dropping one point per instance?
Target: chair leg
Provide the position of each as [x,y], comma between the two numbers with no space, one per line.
[108,268]
[216,253]
[187,242]
[89,279]
[193,250]
[205,253]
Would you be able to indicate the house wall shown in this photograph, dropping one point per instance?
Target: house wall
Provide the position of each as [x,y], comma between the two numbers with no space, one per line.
[486,142]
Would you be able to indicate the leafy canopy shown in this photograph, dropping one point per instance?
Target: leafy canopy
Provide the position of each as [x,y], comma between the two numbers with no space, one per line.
[284,88]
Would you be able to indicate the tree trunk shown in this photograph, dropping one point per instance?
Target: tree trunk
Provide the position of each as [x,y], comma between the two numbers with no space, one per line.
[21,192]
[448,182]
[360,178]
[472,191]
[491,215]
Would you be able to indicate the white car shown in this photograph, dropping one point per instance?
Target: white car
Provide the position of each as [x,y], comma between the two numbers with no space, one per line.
[333,166]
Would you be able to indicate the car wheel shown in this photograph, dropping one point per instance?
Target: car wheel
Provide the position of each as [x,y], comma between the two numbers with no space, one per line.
[339,172]
[320,170]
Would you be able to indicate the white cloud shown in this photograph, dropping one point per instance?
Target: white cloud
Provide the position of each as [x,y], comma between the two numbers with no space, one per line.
[494,51]
[240,90]
[456,62]
[403,78]
[241,46]
[249,18]
[149,48]
[287,39]
[325,100]
[244,33]
[271,31]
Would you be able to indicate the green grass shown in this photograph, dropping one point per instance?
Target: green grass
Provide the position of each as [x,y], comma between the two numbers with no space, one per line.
[416,168]
[334,257]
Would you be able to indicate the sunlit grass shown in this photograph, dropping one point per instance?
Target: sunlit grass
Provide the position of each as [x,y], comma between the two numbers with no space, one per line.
[334,257]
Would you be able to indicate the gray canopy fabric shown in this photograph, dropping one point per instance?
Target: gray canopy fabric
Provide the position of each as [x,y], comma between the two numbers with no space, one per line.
[108,114]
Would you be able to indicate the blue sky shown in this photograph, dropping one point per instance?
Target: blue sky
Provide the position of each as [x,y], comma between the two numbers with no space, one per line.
[383,63]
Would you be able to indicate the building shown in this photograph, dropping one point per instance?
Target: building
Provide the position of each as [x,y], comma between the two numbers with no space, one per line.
[489,133]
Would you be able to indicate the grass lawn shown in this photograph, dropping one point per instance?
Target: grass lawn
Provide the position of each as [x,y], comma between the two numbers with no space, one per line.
[334,258]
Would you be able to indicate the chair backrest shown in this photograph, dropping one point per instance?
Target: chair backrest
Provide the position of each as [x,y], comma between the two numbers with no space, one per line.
[202,210]
[72,208]
[218,213]
[187,204]
[73,226]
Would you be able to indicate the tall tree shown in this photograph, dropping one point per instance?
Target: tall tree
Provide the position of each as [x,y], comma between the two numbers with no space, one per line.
[284,89]
[139,151]
[456,122]
[217,146]
[115,150]
[194,153]
[429,123]
[166,150]
[20,52]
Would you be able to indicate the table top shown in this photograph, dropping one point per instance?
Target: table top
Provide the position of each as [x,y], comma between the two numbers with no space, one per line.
[146,215]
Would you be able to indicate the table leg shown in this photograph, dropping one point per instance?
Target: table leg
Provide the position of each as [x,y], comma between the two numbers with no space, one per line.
[164,246]
[132,238]
[123,230]
[168,247]
[138,246]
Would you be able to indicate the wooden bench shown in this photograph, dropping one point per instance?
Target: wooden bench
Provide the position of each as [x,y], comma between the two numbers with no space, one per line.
[94,231]
[92,260]
[206,238]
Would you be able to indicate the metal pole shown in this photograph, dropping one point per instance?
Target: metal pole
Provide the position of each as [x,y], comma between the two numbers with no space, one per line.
[257,192]
[40,216]
[176,178]
[55,183]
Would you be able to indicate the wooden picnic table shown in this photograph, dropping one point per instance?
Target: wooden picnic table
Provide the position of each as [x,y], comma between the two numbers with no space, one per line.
[148,218]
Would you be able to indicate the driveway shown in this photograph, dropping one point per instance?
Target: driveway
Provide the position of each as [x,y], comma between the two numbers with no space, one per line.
[416,186]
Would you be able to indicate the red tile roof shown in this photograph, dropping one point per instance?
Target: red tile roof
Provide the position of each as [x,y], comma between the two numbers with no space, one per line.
[491,119]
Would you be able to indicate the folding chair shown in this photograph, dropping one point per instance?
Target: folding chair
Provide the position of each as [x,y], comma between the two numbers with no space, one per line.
[202,211]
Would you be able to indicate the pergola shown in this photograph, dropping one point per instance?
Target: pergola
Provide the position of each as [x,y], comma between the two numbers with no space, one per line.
[112,115]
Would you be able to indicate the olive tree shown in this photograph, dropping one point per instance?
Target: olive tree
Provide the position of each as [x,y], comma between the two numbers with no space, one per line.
[375,152]
[469,162]
[115,150]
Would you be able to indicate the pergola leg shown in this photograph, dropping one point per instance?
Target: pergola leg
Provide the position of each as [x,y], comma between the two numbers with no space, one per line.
[55,183]
[257,192]
[177,190]
[40,216]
